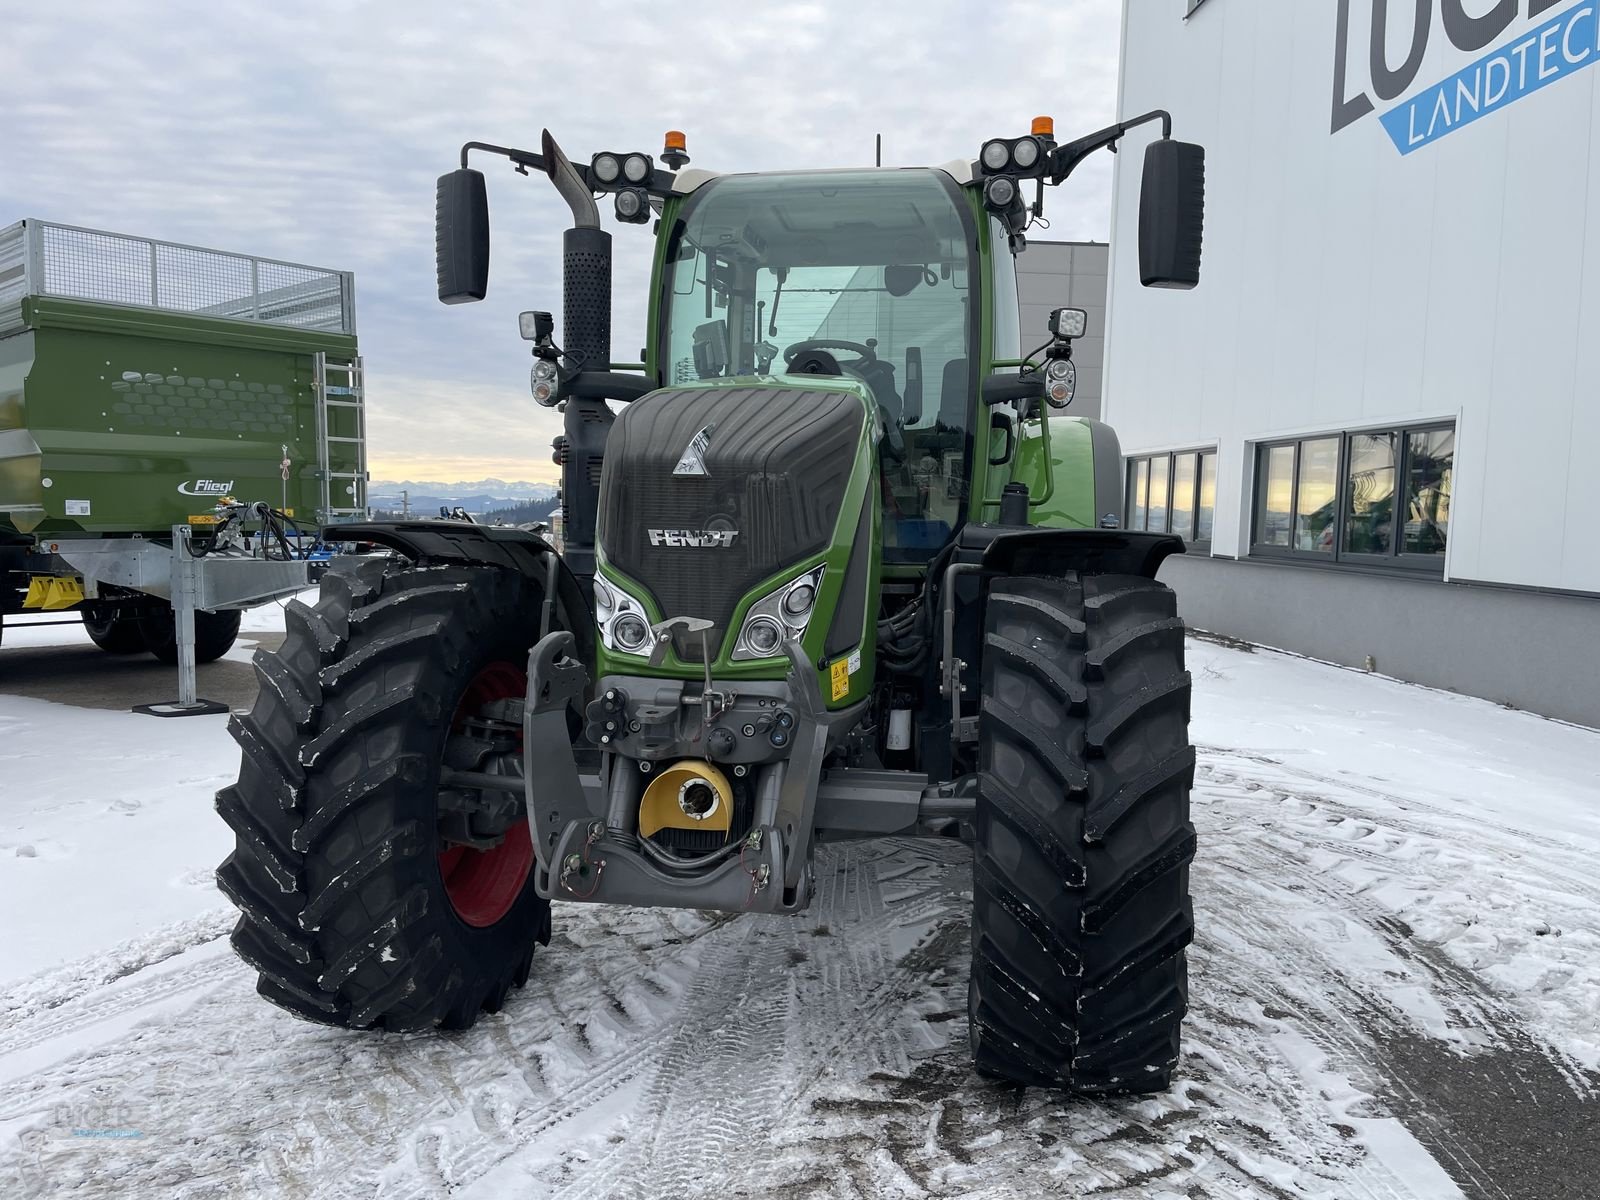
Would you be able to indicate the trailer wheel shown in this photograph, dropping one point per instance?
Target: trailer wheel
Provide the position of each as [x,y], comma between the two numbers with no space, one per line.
[1081,907]
[356,910]
[115,635]
[214,634]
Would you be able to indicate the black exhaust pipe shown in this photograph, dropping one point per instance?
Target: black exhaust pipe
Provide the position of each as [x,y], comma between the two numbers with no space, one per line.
[586,340]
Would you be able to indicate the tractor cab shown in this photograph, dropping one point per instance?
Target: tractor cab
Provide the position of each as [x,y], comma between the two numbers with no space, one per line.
[873,275]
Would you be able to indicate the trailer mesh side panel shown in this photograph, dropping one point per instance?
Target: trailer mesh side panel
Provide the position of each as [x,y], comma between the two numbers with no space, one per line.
[777,464]
[40,258]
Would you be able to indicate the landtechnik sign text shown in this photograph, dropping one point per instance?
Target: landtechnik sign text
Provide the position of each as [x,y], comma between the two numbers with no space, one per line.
[1556,47]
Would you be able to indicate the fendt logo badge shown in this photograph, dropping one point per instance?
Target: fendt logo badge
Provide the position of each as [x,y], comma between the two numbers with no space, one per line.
[693,460]
[716,539]
[1522,62]
[206,487]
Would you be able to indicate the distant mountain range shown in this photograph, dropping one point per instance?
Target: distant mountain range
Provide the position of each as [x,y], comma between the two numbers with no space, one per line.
[427,496]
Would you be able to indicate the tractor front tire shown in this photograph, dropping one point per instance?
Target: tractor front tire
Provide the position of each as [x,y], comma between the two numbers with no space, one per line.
[1081,910]
[115,635]
[354,909]
[214,634]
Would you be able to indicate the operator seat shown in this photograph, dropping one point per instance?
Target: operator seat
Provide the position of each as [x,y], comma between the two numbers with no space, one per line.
[954,391]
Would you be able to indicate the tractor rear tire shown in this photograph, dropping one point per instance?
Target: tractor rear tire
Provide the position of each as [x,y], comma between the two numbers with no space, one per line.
[354,910]
[115,635]
[214,634]
[1081,909]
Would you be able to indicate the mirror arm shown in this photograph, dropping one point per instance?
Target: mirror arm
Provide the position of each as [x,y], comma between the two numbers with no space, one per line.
[1009,389]
[607,385]
[1065,159]
[523,159]
[658,186]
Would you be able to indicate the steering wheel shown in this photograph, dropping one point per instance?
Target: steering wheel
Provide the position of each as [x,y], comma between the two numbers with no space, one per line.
[866,366]
[795,349]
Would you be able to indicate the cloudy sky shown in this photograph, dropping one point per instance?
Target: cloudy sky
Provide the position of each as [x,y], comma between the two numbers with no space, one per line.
[314,131]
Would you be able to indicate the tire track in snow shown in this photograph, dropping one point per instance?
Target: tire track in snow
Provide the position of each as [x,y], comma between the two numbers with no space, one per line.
[567,1074]
[701,1119]
[1451,1054]
[1282,1091]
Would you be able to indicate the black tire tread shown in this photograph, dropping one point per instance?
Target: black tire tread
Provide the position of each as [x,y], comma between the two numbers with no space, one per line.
[1078,978]
[342,912]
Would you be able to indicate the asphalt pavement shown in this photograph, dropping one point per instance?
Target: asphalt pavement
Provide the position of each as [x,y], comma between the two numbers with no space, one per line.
[88,677]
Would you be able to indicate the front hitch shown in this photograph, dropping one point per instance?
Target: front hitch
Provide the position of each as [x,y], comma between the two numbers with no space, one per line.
[550,780]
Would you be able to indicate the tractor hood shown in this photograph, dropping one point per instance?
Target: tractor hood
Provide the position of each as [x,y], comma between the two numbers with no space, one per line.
[709,492]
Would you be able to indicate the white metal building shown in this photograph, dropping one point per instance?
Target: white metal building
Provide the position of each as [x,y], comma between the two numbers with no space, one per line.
[1377,418]
[1053,275]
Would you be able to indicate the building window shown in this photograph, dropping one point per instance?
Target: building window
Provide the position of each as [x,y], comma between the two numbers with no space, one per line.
[1174,493]
[1338,497]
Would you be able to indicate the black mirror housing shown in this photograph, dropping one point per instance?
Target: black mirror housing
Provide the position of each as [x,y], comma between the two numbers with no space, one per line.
[1172,204]
[461,236]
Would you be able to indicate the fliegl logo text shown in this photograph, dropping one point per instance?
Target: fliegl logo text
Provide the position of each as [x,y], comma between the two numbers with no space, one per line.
[717,539]
[1381,45]
[206,487]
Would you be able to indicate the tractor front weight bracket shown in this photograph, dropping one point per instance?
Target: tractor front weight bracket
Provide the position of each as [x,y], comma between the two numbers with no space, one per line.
[551,784]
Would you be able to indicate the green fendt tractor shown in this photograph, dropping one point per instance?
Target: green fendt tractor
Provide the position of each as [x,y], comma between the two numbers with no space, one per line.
[829,573]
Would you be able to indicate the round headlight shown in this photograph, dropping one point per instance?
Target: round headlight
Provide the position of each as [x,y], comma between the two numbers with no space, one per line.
[543,380]
[798,600]
[630,203]
[996,156]
[1060,382]
[999,192]
[763,635]
[1025,153]
[630,632]
[636,167]
[605,168]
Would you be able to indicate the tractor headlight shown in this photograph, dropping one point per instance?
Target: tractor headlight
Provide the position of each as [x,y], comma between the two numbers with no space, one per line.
[1060,382]
[545,380]
[605,168]
[1025,152]
[633,205]
[797,601]
[779,614]
[762,636]
[630,632]
[996,155]
[620,617]
[636,168]
[1000,193]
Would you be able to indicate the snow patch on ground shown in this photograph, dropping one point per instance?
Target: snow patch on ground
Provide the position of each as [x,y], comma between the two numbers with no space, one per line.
[1397,911]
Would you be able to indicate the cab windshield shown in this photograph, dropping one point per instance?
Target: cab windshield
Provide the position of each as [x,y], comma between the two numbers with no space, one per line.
[867,271]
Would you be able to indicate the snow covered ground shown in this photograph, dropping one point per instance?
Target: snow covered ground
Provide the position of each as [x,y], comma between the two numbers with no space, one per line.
[1395,992]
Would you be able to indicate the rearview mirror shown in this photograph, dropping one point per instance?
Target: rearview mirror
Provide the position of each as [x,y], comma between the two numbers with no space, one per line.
[1172,203]
[461,236]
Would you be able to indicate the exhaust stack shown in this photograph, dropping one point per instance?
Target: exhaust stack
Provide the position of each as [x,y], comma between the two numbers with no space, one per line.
[586,341]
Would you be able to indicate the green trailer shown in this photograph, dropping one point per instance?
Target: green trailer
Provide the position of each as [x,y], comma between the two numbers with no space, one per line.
[153,393]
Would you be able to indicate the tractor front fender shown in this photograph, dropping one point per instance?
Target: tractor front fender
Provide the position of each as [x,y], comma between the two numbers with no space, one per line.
[1008,550]
[487,545]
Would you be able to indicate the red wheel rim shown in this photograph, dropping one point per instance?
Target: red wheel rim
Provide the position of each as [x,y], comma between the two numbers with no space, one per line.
[483,884]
